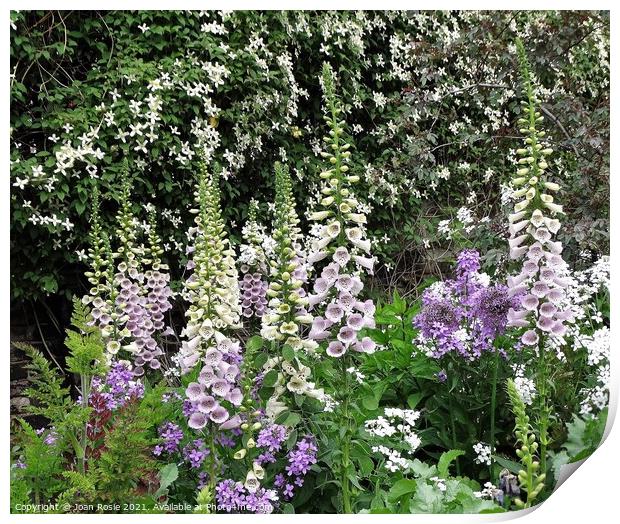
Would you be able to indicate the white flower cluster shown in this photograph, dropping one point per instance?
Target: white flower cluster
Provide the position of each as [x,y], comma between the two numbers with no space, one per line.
[483,453]
[397,423]
[597,345]
[394,459]
[489,492]
[357,374]
[440,484]
[526,388]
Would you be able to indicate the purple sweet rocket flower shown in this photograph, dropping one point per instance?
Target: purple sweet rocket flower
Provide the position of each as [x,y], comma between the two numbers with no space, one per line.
[299,461]
[118,387]
[272,437]
[464,315]
[171,435]
[195,453]
[489,314]
[467,263]
[51,437]
[233,497]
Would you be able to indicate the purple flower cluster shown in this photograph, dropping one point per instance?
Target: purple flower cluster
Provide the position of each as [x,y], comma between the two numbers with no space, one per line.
[233,497]
[272,437]
[144,298]
[51,438]
[271,440]
[253,295]
[345,315]
[195,453]
[171,435]
[300,459]
[464,315]
[540,290]
[118,387]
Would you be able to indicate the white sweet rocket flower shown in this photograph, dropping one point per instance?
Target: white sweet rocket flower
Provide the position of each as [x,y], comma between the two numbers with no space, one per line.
[490,492]
[526,388]
[395,425]
[440,484]
[483,453]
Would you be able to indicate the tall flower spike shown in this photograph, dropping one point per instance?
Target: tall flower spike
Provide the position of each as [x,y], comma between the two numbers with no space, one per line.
[287,302]
[253,266]
[144,295]
[213,314]
[99,275]
[287,314]
[96,254]
[532,228]
[341,242]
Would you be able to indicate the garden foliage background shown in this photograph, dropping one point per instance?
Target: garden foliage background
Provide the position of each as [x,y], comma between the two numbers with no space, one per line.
[430,98]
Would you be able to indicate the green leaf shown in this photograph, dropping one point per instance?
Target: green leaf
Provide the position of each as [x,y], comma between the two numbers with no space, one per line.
[167,475]
[427,499]
[254,343]
[370,402]
[401,488]
[414,399]
[260,360]
[270,379]
[510,465]
[443,466]
[288,353]
[292,420]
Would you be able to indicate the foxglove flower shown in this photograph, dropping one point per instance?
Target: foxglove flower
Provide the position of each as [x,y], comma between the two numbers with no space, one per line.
[340,249]
[253,266]
[536,284]
[213,314]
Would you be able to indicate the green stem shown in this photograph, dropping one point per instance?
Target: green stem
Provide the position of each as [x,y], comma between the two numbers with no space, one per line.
[212,461]
[493,404]
[85,392]
[345,443]
[543,418]
[453,431]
